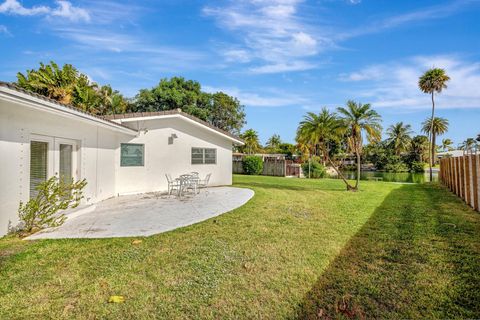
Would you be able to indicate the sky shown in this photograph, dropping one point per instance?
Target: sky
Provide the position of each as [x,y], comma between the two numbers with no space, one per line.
[280,58]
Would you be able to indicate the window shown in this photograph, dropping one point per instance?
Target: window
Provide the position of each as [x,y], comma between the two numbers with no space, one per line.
[38,165]
[132,155]
[204,156]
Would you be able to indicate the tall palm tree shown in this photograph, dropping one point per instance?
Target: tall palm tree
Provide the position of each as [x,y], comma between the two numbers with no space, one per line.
[358,118]
[434,128]
[252,143]
[274,142]
[319,131]
[447,144]
[433,80]
[399,137]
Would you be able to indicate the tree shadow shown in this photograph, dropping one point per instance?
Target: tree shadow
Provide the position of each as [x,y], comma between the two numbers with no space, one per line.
[283,186]
[418,256]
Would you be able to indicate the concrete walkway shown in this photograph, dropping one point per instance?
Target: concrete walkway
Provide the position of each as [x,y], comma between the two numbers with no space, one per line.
[147,214]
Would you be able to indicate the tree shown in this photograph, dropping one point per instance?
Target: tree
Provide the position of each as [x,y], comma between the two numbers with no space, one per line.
[219,109]
[358,118]
[447,144]
[433,80]
[399,137]
[252,143]
[419,148]
[319,131]
[68,86]
[434,128]
[468,145]
[274,142]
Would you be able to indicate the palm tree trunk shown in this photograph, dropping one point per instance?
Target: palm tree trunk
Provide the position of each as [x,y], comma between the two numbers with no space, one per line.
[432,146]
[349,187]
[358,169]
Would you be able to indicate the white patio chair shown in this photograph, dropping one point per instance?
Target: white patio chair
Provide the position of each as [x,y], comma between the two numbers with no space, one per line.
[204,183]
[173,184]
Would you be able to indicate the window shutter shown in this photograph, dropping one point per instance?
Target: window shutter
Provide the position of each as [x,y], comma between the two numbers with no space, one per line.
[38,165]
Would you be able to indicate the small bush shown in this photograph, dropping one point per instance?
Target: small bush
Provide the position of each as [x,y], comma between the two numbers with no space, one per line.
[396,167]
[43,211]
[252,165]
[317,170]
[417,167]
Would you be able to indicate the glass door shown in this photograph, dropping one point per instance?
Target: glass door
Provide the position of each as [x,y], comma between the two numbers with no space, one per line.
[65,164]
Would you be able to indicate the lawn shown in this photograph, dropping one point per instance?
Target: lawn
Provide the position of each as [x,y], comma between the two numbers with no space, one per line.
[298,249]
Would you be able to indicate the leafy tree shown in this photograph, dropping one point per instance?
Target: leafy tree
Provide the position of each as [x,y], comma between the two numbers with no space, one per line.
[274,142]
[446,144]
[252,143]
[318,132]
[67,85]
[433,80]
[434,128]
[399,137]
[358,118]
[219,109]
[419,148]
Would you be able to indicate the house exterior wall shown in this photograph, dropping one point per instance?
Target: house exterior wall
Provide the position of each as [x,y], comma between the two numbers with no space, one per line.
[162,158]
[19,124]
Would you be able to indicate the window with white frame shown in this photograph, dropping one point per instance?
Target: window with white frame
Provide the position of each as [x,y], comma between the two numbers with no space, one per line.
[204,156]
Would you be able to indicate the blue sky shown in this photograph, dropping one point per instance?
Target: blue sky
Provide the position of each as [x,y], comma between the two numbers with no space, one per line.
[281,58]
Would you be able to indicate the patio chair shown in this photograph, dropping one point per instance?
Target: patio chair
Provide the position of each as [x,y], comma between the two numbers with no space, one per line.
[173,184]
[204,183]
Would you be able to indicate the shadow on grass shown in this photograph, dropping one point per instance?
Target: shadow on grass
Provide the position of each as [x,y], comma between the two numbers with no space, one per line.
[418,256]
[293,187]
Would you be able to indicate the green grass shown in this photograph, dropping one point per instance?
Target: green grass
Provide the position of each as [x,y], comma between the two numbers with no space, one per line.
[298,249]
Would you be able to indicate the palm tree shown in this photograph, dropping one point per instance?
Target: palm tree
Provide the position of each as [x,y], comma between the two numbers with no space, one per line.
[468,145]
[399,137]
[274,142]
[433,80]
[252,144]
[447,144]
[434,128]
[318,132]
[358,118]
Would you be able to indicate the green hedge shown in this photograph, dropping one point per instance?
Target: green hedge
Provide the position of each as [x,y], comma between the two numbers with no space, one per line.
[317,170]
[252,165]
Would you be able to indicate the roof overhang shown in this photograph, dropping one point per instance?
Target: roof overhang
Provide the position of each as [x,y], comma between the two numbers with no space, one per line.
[25,99]
[184,118]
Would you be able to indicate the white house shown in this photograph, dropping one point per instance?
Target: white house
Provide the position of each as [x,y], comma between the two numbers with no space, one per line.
[121,154]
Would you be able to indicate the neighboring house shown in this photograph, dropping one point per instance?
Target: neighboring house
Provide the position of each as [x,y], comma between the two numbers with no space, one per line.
[117,155]
[451,153]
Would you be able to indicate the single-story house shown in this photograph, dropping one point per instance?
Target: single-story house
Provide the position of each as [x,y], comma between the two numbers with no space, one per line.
[117,155]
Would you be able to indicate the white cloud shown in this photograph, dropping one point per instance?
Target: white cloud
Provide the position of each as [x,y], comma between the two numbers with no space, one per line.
[64,9]
[269,98]
[4,30]
[272,32]
[395,84]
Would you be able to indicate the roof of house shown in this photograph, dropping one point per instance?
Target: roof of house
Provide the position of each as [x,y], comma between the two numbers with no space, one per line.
[164,114]
[116,119]
[45,101]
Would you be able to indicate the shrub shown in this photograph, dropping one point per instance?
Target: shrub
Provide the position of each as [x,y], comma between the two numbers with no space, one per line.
[417,167]
[317,170]
[252,165]
[43,211]
[396,167]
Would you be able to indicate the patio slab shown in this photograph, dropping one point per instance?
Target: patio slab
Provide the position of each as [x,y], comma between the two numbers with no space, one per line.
[147,214]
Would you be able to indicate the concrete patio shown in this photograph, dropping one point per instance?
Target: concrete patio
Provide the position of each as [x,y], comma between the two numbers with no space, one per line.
[147,214]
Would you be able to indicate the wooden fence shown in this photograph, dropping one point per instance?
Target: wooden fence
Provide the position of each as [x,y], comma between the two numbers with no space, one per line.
[272,167]
[462,176]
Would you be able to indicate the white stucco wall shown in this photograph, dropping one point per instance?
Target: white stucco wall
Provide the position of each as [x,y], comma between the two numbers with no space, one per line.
[96,154]
[163,158]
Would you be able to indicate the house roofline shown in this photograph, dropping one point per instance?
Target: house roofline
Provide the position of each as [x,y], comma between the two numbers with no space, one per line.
[13,93]
[177,113]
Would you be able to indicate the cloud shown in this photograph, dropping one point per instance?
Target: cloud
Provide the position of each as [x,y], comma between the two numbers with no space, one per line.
[4,30]
[273,35]
[395,84]
[273,98]
[64,9]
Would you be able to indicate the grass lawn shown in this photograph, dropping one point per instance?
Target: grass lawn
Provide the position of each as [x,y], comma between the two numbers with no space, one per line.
[298,249]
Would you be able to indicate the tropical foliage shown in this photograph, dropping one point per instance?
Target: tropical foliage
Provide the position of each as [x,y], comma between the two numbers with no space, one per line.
[434,127]
[252,143]
[68,86]
[252,165]
[358,119]
[399,137]
[433,80]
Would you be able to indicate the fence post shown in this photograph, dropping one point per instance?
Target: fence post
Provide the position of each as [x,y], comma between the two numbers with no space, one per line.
[468,176]
[476,181]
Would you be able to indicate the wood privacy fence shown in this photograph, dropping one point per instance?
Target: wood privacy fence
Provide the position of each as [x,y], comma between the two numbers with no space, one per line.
[462,176]
[272,167]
